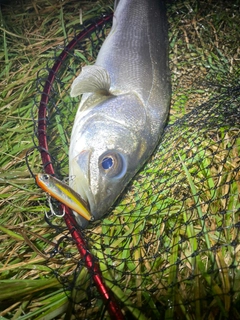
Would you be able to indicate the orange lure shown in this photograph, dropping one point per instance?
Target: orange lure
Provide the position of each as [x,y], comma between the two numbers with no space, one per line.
[63,193]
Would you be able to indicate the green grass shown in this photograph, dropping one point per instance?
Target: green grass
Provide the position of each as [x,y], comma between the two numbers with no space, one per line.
[167,249]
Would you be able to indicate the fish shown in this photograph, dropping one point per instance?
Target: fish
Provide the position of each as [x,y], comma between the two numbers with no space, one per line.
[124,105]
[63,193]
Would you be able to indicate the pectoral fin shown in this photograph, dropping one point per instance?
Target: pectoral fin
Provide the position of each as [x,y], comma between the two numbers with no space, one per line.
[91,79]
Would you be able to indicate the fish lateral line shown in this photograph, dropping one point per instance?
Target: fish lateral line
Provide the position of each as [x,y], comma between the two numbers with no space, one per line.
[64,194]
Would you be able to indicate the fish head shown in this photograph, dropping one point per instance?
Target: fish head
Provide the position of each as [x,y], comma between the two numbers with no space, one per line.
[107,147]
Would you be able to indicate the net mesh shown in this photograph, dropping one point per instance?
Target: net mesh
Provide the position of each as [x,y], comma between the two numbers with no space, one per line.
[170,246]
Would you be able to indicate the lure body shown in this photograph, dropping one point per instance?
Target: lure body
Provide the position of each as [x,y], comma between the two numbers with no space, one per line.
[63,193]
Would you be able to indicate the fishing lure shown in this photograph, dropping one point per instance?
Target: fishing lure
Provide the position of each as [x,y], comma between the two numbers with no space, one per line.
[63,193]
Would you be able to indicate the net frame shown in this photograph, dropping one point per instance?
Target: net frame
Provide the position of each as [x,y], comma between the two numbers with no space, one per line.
[89,260]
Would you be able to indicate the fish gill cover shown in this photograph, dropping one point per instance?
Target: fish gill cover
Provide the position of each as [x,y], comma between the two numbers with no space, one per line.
[170,247]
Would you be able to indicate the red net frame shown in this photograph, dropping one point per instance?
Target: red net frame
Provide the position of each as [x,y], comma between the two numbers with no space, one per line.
[89,260]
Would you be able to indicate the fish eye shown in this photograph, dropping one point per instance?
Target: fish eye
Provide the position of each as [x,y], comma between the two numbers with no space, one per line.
[107,163]
[45,177]
[112,164]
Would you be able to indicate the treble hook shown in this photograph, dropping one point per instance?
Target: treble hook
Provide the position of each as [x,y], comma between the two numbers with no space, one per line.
[52,209]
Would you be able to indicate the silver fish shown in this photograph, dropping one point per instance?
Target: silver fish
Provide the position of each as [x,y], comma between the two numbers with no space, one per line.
[124,107]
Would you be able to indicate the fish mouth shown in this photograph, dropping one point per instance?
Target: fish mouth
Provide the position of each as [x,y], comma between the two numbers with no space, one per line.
[79,178]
